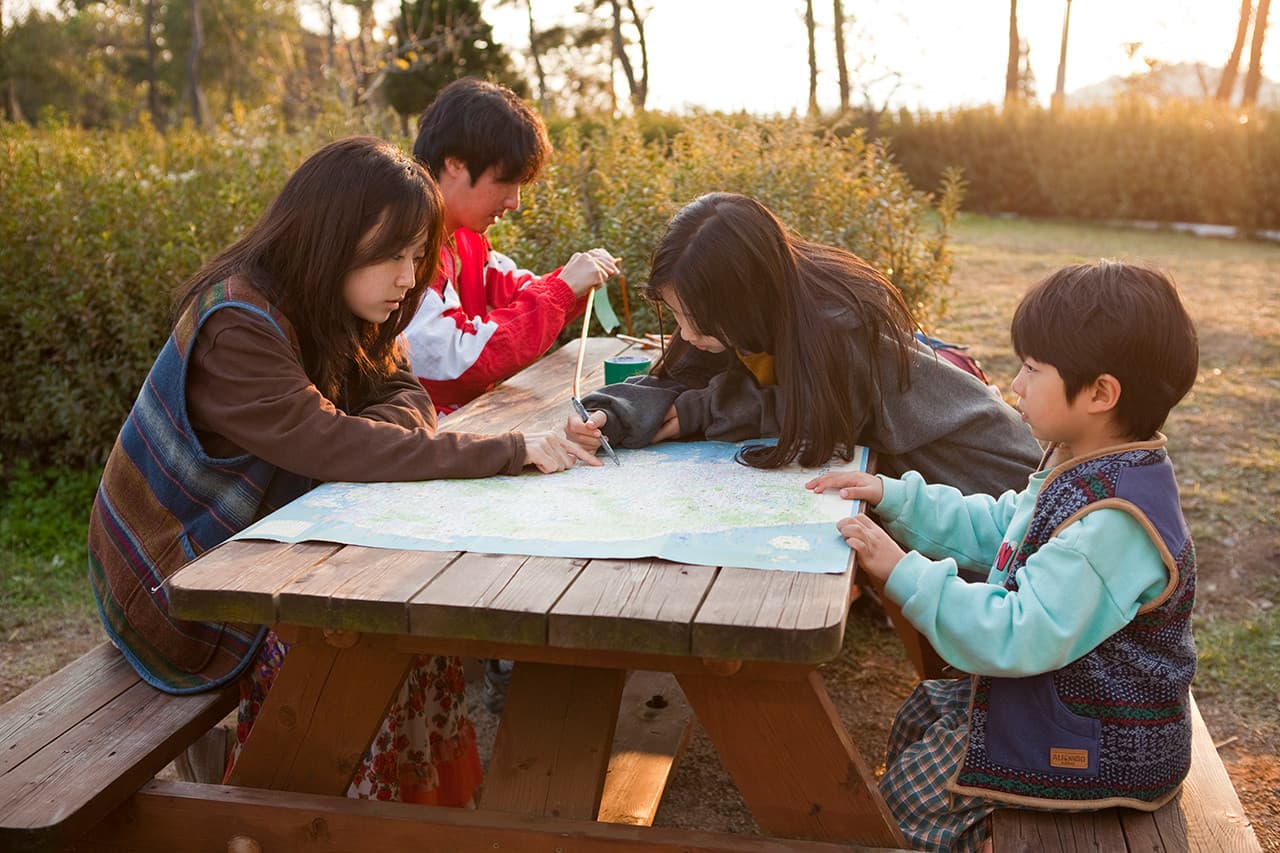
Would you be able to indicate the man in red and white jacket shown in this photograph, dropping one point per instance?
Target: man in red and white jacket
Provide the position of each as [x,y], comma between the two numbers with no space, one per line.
[483,319]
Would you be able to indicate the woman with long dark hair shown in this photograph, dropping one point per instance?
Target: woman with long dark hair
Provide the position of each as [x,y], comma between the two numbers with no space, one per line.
[780,336]
[284,369]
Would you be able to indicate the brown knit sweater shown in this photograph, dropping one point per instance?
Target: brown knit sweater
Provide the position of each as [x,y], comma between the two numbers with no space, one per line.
[247,393]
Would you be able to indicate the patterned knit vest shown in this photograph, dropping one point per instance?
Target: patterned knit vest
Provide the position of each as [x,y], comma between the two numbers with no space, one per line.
[1112,728]
[163,501]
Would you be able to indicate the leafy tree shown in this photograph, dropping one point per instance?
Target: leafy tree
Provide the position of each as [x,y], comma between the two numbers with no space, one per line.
[105,62]
[436,42]
[246,52]
[57,70]
[570,61]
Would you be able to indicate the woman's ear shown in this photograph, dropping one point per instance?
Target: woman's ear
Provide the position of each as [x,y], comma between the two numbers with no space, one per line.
[1104,394]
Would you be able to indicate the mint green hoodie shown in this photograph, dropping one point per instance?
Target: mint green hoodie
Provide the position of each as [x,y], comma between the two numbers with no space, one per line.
[1078,589]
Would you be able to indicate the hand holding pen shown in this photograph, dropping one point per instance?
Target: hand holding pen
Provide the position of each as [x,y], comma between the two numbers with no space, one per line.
[591,434]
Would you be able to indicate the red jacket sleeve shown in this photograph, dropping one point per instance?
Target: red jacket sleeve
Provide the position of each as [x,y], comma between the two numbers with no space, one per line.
[483,320]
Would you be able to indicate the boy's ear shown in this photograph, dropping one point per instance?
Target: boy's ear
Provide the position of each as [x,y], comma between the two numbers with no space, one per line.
[1103,394]
[456,167]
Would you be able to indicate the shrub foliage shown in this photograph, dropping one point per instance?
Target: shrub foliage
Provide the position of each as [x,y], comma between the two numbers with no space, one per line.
[100,227]
[1180,162]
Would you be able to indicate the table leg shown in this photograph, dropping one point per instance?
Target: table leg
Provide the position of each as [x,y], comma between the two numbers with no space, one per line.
[790,756]
[552,748]
[320,716]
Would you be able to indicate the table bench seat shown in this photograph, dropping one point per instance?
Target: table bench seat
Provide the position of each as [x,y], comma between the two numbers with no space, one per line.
[654,724]
[1205,818]
[83,740]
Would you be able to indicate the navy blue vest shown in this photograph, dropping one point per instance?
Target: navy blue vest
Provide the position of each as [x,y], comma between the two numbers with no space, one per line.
[1112,728]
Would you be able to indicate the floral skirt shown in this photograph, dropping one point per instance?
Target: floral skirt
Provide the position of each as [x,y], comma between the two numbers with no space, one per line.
[425,751]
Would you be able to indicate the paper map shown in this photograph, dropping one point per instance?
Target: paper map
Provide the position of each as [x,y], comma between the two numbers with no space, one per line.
[684,501]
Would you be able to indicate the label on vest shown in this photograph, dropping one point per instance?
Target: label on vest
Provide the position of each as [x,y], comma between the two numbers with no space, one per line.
[1074,759]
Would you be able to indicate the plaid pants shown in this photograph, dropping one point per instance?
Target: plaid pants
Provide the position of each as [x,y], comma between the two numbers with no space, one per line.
[926,746]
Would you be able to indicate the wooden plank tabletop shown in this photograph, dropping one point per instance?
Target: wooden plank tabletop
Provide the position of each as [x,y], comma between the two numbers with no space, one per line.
[644,606]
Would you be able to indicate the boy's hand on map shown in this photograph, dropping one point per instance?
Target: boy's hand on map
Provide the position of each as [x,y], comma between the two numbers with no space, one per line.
[585,434]
[853,485]
[877,552]
[549,452]
[670,428]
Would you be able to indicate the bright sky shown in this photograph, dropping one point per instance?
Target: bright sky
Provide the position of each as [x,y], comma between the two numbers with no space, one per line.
[752,54]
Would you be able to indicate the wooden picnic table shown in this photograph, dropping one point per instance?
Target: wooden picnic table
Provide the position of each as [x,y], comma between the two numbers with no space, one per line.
[743,644]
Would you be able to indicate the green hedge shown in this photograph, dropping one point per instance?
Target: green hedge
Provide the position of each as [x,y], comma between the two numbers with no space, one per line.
[618,187]
[99,228]
[1184,162]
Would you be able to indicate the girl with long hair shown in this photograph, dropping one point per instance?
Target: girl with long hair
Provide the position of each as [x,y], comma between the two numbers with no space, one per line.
[780,336]
[284,369]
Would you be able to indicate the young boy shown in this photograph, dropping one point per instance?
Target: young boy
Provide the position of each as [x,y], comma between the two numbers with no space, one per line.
[1080,640]
[483,319]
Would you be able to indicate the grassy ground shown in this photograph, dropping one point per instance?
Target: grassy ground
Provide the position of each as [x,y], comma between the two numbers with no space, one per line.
[1224,440]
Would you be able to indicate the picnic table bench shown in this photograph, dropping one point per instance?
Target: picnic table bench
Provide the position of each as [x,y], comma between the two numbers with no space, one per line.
[80,748]
[1206,816]
[78,743]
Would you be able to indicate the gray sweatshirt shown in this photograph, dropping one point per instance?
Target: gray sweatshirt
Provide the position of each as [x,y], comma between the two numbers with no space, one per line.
[947,425]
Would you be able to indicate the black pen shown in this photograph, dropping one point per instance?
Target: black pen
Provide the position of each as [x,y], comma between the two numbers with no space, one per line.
[604,442]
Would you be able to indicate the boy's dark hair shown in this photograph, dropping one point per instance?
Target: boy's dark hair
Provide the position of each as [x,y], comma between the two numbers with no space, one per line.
[1117,318]
[482,124]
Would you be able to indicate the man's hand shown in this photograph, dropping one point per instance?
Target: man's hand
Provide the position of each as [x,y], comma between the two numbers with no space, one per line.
[877,552]
[549,452]
[853,485]
[588,270]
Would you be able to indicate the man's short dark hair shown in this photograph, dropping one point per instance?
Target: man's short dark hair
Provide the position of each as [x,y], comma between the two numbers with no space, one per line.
[483,124]
[1116,318]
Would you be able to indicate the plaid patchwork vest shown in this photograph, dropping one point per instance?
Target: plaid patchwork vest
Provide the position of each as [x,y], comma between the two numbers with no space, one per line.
[1112,728]
[163,501]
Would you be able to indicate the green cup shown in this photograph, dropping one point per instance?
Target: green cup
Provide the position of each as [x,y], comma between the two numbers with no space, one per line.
[619,367]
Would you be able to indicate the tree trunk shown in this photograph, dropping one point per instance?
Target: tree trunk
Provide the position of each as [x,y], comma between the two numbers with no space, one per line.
[842,67]
[153,90]
[644,55]
[1014,62]
[12,109]
[537,60]
[1253,78]
[360,64]
[15,108]
[1060,89]
[193,61]
[634,86]
[1229,71]
[813,59]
